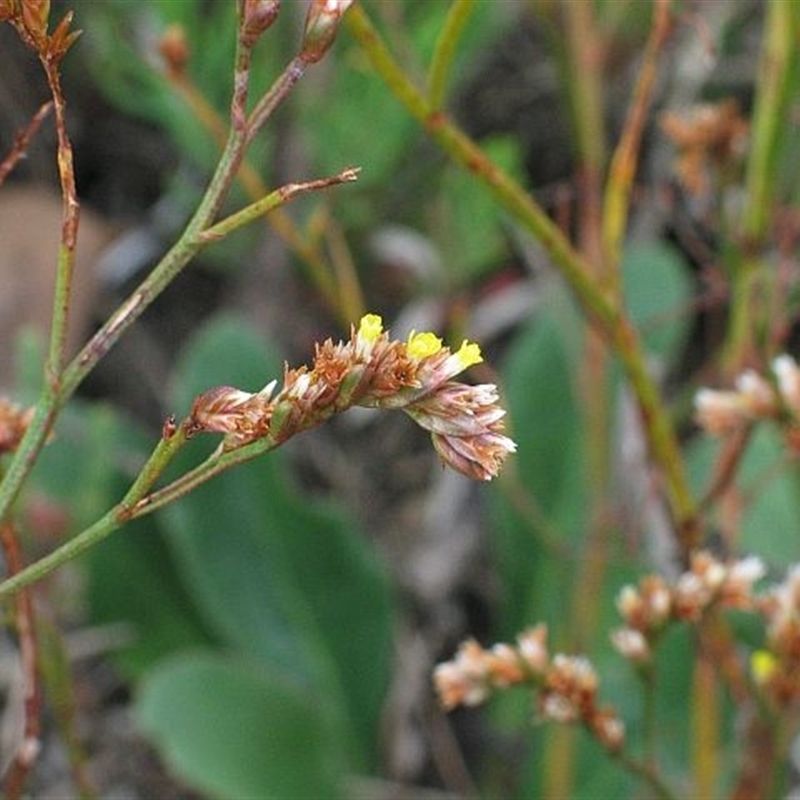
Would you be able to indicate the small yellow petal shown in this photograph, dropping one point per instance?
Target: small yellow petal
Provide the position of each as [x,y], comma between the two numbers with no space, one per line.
[370,327]
[422,345]
[469,354]
[762,665]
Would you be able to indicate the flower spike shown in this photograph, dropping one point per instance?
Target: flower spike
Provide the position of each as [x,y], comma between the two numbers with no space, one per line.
[374,371]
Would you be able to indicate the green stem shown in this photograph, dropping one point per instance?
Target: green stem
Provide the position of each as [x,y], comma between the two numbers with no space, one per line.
[780,35]
[584,49]
[610,321]
[750,280]
[219,461]
[47,406]
[123,512]
[60,386]
[69,228]
[274,96]
[273,200]
[445,50]
[138,503]
[192,239]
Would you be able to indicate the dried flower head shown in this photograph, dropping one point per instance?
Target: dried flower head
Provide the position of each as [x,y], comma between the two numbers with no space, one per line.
[375,371]
[322,25]
[776,668]
[14,421]
[466,679]
[255,17]
[174,48]
[753,399]
[708,582]
[566,686]
[708,136]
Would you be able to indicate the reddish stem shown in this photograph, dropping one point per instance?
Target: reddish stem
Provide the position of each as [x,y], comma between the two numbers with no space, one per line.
[22,140]
[28,750]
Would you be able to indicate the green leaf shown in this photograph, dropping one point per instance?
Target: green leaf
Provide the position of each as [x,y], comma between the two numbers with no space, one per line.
[547,424]
[132,579]
[657,290]
[237,730]
[283,577]
[346,137]
[474,239]
[103,445]
[769,489]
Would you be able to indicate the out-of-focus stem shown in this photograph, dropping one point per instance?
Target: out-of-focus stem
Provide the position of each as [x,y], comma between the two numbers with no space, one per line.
[585,54]
[18,770]
[750,280]
[622,170]
[778,51]
[255,187]
[705,723]
[445,50]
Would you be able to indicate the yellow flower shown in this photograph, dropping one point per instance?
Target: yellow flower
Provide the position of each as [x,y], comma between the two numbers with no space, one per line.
[422,345]
[762,666]
[370,328]
[469,354]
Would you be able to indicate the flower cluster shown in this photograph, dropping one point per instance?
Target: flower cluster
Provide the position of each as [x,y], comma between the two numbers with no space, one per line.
[709,137]
[566,686]
[708,582]
[372,370]
[776,668]
[753,398]
[14,422]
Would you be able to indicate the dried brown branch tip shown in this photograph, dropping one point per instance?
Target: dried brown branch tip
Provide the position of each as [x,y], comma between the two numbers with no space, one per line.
[31,19]
[371,370]
[709,137]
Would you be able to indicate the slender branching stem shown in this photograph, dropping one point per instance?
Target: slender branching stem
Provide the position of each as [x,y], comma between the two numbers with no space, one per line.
[271,201]
[751,281]
[23,139]
[165,451]
[619,185]
[62,382]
